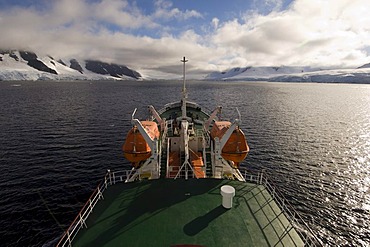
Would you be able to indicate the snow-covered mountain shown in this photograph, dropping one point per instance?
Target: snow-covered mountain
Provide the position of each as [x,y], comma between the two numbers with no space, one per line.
[257,72]
[25,65]
[294,74]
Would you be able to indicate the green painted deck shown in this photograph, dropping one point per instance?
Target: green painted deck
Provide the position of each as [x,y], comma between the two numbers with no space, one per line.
[167,212]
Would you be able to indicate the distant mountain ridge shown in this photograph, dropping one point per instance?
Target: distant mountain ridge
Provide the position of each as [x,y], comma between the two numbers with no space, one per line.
[364,66]
[27,65]
[259,72]
[114,70]
[293,74]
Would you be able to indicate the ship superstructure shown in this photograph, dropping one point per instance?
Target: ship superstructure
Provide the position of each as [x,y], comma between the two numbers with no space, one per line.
[182,140]
[186,188]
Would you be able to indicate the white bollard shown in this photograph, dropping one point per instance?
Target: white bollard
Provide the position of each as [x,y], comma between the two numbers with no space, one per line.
[228,193]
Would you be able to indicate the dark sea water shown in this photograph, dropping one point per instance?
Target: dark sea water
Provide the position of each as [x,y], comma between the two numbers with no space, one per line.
[57,139]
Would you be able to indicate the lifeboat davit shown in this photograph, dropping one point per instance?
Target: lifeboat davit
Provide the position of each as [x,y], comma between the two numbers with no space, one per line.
[135,148]
[236,148]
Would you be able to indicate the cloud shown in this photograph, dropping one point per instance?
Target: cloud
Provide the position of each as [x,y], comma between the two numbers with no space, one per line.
[165,11]
[327,33]
[99,30]
[215,22]
[122,14]
[267,6]
[319,33]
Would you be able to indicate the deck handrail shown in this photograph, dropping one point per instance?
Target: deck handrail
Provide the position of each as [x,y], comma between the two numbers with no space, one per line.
[80,220]
[309,238]
[167,159]
[112,178]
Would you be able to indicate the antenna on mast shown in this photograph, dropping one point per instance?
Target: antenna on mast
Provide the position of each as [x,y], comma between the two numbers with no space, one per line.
[183,77]
[184,94]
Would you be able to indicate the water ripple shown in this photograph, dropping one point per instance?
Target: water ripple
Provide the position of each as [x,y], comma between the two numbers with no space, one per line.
[58,139]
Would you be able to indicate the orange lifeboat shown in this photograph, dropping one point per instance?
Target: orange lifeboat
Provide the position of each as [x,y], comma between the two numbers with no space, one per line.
[135,148]
[236,147]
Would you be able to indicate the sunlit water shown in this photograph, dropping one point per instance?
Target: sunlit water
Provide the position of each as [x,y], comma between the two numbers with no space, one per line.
[57,139]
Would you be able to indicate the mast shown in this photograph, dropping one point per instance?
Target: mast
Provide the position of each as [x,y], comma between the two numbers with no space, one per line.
[184,93]
[184,134]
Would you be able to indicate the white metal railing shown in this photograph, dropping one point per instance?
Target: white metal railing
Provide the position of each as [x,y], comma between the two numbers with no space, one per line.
[168,160]
[80,220]
[307,235]
[182,174]
[111,178]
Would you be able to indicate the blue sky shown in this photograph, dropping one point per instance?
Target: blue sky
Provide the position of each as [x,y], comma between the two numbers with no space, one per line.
[151,36]
[200,13]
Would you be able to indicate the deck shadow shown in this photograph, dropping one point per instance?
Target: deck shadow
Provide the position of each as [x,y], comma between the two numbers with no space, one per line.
[147,199]
[200,223]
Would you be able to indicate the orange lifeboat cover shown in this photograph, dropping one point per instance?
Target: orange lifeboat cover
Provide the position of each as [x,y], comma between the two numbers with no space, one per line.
[135,148]
[236,147]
